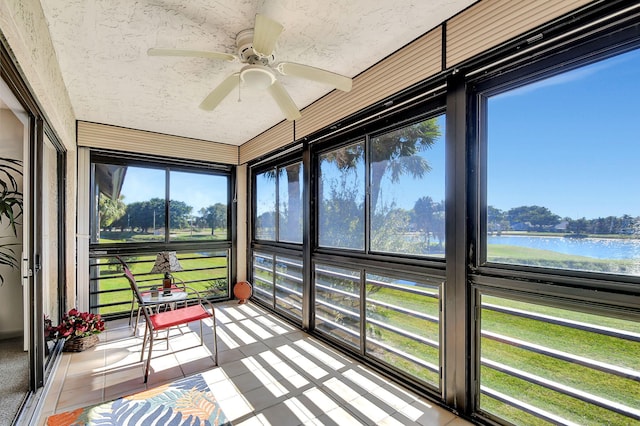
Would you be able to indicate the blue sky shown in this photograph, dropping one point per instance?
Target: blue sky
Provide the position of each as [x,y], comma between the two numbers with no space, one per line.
[197,190]
[432,185]
[570,143]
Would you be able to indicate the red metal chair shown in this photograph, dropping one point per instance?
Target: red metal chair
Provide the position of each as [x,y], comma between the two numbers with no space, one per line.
[200,309]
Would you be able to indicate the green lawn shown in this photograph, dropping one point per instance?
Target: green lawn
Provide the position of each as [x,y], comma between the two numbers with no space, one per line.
[611,350]
[203,280]
[551,259]
[198,234]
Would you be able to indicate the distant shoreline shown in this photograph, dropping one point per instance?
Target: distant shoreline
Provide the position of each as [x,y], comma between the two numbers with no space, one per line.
[561,235]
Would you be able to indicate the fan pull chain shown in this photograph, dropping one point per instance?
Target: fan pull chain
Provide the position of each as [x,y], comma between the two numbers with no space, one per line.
[239,86]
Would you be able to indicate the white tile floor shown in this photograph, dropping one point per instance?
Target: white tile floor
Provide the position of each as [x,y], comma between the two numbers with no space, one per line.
[269,373]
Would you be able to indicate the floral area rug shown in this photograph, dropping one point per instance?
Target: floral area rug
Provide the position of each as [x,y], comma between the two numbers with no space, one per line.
[185,402]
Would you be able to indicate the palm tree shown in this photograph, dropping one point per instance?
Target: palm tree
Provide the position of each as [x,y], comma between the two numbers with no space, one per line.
[215,216]
[395,153]
[423,211]
[290,220]
[428,215]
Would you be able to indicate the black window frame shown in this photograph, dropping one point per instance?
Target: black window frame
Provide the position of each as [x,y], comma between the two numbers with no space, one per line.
[427,101]
[423,110]
[596,28]
[607,294]
[106,251]
[167,165]
[275,247]
[501,80]
[276,165]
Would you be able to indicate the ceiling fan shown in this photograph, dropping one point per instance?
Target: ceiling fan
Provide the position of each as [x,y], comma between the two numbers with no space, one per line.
[255,48]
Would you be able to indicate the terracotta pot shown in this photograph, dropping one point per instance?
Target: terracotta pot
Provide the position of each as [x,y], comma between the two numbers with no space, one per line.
[242,291]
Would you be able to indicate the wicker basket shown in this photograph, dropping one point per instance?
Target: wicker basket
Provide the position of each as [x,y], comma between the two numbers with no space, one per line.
[79,344]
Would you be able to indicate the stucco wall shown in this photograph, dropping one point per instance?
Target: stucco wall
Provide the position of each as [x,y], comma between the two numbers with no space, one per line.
[23,26]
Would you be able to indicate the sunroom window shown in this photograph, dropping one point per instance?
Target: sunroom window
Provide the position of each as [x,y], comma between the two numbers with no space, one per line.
[140,209]
[402,172]
[562,168]
[278,215]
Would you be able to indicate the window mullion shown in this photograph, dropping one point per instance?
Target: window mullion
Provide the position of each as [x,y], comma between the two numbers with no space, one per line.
[167,205]
[367,194]
[308,239]
[363,312]
[456,381]
[276,219]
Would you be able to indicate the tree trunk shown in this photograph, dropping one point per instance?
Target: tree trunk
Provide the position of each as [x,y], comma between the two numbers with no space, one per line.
[377,172]
[295,205]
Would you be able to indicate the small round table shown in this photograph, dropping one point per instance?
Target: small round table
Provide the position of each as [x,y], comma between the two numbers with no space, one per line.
[174,296]
[168,300]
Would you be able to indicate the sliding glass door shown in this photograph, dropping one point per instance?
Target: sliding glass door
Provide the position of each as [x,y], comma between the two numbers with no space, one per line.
[31,243]
[15,332]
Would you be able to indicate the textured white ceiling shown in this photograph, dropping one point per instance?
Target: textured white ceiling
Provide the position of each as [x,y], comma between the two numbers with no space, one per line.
[101,47]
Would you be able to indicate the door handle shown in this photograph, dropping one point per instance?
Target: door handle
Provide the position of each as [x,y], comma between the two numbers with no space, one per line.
[25,271]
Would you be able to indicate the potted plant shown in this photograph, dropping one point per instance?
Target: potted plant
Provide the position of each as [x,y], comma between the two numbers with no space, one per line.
[79,329]
[10,207]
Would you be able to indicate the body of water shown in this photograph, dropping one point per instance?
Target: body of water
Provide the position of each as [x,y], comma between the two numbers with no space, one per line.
[599,248]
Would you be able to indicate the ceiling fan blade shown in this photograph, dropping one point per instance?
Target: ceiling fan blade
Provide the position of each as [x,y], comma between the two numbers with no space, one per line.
[219,93]
[265,35]
[338,81]
[284,101]
[191,53]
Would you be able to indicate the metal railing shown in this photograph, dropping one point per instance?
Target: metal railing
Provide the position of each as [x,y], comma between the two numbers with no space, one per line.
[276,285]
[110,294]
[392,316]
[580,385]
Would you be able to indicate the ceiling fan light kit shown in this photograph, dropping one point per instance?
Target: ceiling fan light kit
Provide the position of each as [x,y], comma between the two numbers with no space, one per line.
[257,76]
[255,49]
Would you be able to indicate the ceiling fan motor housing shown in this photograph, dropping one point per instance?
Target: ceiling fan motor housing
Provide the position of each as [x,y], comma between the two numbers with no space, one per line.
[246,53]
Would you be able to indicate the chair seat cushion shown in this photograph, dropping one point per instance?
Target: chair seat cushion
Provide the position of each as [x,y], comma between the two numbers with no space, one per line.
[179,316]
